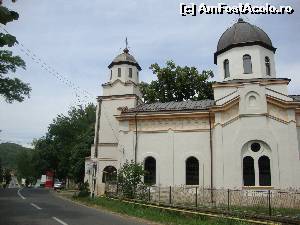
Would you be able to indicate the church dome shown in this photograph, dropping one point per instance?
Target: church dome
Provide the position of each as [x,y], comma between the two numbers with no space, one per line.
[243,34]
[125,58]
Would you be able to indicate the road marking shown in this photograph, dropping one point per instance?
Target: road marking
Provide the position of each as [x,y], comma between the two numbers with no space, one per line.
[21,194]
[60,221]
[35,206]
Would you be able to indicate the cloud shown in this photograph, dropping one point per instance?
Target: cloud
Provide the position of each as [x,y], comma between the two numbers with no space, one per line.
[80,38]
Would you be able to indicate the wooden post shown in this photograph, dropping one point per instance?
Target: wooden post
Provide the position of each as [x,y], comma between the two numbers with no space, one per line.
[269,202]
[196,200]
[149,195]
[228,199]
[170,196]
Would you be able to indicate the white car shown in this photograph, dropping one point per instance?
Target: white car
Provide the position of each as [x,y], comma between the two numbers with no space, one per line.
[58,185]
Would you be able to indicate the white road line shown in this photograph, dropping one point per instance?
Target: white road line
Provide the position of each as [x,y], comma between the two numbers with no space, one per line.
[21,194]
[35,206]
[60,221]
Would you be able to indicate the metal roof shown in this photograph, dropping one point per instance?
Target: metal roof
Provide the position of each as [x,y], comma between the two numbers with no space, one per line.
[243,34]
[296,98]
[173,106]
[124,58]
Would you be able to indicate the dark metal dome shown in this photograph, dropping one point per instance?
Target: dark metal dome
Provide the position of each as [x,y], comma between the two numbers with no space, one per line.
[243,34]
[125,58]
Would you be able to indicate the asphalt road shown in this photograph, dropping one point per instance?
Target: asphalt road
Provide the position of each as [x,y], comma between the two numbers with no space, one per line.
[31,206]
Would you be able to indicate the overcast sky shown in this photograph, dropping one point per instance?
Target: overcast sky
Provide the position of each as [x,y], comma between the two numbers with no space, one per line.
[80,38]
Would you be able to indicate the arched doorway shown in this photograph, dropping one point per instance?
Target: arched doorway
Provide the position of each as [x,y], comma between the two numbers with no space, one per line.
[192,171]
[150,169]
[109,174]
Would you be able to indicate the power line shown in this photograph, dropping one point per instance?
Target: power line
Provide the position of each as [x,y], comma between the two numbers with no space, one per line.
[81,95]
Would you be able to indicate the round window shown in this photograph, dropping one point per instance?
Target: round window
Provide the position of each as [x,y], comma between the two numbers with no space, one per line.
[255,147]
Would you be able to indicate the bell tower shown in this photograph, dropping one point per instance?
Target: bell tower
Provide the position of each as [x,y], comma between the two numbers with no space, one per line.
[121,91]
[245,51]
[124,70]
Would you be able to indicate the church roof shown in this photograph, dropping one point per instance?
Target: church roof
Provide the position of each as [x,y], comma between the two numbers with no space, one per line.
[243,34]
[173,106]
[125,58]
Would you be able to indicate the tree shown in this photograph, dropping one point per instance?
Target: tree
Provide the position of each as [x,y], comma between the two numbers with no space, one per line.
[12,89]
[1,172]
[130,177]
[66,144]
[7,176]
[175,83]
[25,167]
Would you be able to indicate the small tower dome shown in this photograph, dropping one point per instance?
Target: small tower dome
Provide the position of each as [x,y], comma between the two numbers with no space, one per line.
[245,51]
[124,67]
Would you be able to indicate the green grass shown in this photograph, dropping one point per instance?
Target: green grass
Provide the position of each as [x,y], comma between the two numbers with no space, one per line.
[265,211]
[154,214]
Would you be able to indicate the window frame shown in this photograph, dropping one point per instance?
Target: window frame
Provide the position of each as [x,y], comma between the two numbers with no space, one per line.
[249,178]
[265,176]
[150,178]
[119,72]
[268,66]
[247,62]
[130,72]
[226,68]
[192,171]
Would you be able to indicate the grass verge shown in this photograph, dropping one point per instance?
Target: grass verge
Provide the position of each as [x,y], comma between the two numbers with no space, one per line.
[153,214]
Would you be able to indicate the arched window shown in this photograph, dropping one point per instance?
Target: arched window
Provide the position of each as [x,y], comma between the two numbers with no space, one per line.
[150,168]
[130,73]
[248,171]
[119,72]
[247,64]
[192,171]
[268,66]
[264,171]
[109,174]
[226,68]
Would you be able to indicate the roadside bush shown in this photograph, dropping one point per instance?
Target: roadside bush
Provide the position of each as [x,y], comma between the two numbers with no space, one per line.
[130,178]
[84,190]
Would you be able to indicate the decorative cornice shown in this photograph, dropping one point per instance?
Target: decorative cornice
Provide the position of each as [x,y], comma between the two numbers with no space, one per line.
[242,82]
[225,106]
[112,97]
[163,115]
[282,103]
[106,144]
[127,83]
[125,62]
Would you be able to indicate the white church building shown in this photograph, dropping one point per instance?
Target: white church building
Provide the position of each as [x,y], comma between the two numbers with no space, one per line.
[247,137]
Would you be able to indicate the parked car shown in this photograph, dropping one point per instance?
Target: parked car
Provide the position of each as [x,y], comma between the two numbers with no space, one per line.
[58,185]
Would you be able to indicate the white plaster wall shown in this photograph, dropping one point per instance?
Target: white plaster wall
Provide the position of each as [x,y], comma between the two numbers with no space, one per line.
[235,57]
[281,138]
[170,149]
[282,90]
[195,144]
[109,126]
[221,92]
[298,136]
[124,73]
[119,88]
[252,99]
